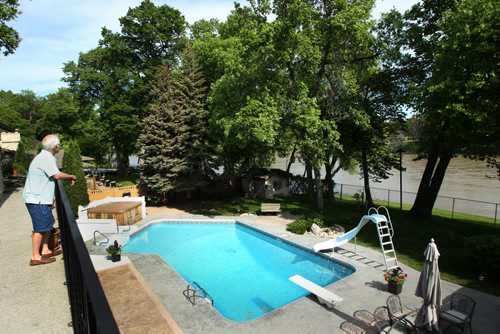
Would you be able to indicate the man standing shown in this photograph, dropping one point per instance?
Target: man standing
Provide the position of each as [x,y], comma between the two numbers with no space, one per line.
[38,195]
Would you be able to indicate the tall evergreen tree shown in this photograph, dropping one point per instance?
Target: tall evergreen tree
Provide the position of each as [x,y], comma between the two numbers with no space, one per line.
[174,136]
[72,164]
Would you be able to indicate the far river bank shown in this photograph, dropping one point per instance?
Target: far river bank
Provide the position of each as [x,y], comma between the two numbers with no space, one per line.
[465,179]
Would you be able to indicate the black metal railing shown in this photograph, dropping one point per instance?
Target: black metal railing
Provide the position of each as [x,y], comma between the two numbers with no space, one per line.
[90,311]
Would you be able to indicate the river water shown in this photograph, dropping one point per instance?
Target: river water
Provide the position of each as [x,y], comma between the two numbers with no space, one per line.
[465,179]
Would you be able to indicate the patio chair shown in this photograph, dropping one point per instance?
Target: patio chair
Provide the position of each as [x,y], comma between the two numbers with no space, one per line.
[459,311]
[397,313]
[351,328]
[381,317]
[367,320]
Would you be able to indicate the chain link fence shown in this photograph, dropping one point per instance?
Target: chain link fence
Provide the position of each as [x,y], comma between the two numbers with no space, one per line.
[453,206]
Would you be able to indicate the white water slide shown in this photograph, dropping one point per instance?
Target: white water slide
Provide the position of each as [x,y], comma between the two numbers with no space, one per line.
[343,239]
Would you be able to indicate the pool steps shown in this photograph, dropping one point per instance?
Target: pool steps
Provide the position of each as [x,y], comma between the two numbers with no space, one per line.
[194,290]
[325,297]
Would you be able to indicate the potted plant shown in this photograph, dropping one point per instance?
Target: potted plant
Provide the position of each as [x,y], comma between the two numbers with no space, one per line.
[395,279]
[115,251]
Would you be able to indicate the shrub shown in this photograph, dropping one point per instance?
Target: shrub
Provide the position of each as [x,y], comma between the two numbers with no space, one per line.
[483,252]
[72,164]
[300,226]
[22,159]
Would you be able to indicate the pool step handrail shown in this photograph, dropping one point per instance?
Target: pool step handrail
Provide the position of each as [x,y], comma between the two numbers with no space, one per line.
[385,233]
[100,242]
[194,290]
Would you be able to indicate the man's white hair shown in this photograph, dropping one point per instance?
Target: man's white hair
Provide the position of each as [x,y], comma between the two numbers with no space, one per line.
[49,142]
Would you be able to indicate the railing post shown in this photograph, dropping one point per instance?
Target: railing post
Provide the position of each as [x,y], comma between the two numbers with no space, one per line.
[496,210]
[453,208]
[388,196]
[341,187]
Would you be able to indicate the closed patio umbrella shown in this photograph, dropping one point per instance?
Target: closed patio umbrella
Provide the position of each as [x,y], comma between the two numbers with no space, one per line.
[429,288]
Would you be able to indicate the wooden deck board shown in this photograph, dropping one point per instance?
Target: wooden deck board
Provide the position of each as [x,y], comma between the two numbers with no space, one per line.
[135,308]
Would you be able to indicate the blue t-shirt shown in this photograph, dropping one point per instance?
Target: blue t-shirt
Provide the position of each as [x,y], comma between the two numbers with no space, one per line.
[40,184]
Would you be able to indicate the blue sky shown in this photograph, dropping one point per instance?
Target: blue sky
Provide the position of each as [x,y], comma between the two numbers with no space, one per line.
[54,32]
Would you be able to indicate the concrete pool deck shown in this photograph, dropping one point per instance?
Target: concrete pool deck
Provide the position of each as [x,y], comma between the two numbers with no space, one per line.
[366,289]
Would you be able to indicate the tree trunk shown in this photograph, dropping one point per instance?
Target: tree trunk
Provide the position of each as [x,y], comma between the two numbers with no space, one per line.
[431,182]
[310,184]
[366,179]
[292,160]
[330,185]
[319,189]
[122,154]
[328,182]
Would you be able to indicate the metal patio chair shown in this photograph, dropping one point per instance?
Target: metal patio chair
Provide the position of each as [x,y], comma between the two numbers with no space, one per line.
[367,320]
[459,311]
[381,317]
[397,314]
[351,328]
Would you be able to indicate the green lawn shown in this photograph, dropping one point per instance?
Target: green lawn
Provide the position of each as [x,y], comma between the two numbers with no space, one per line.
[411,233]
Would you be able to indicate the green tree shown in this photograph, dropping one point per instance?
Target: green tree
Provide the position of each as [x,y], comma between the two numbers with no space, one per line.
[20,111]
[60,113]
[9,38]
[72,164]
[243,90]
[318,45]
[116,77]
[447,52]
[22,158]
[175,151]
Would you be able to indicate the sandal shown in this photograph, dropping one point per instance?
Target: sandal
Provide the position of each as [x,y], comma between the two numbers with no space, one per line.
[43,260]
[52,254]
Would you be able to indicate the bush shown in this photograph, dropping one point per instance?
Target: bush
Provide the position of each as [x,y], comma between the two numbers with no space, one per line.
[301,226]
[483,252]
[22,159]
[72,164]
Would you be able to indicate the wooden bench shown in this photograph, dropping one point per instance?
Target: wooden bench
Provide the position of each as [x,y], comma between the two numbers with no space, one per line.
[270,208]
[325,296]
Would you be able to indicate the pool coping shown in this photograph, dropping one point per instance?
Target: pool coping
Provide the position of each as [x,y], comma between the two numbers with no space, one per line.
[365,290]
[212,316]
[254,228]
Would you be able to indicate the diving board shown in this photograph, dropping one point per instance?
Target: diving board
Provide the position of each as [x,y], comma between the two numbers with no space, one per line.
[325,296]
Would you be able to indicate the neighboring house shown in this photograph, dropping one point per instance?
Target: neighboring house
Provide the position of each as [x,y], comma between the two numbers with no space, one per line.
[266,183]
[9,139]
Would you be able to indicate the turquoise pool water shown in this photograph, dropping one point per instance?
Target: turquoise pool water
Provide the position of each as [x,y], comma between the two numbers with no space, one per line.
[245,271]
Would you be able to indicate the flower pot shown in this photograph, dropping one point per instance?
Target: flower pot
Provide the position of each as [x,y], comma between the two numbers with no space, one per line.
[116,257]
[394,288]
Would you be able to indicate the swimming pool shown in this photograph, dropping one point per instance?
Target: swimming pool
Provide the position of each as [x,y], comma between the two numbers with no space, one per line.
[244,270]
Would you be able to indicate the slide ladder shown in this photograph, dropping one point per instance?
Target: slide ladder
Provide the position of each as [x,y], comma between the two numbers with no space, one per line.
[385,235]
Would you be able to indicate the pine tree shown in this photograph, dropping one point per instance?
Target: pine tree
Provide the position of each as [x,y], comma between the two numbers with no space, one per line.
[174,136]
[72,164]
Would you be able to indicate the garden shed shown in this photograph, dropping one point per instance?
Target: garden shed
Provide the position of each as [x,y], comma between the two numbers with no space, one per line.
[266,183]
